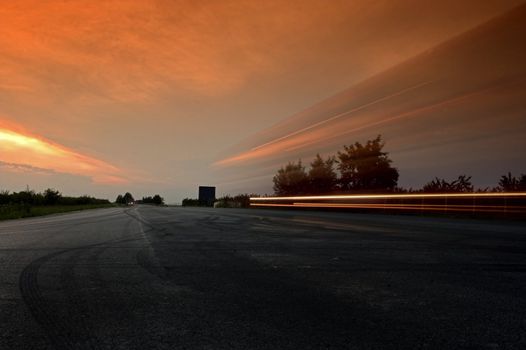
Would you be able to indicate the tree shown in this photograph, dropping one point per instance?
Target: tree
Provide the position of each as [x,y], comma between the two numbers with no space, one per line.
[128,198]
[461,184]
[366,167]
[322,177]
[5,197]
[120,199]
[27,197]
[436,186]
[52,196]
[509,183]
[291,180]
[158,200]
[243,200]
[189,202]
[238,201]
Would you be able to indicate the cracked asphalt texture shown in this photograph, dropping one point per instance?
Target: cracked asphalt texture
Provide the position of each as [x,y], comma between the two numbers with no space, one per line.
[202,278]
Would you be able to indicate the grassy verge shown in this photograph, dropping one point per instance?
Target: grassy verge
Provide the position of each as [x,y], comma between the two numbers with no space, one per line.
[8,212]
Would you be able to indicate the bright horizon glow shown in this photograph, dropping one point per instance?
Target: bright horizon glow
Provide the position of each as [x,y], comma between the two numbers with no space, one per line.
[16,139]
[20,148]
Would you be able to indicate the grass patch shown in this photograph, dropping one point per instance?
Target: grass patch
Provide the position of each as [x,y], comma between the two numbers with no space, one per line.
[8,212]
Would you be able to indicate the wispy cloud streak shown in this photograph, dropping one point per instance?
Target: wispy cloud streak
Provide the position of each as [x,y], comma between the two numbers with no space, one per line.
[21,150]
[470,88]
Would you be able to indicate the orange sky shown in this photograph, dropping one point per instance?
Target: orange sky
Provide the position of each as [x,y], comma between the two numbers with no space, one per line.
[147,95]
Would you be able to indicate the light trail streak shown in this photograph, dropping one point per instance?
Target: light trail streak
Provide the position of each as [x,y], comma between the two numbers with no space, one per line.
[391,196]
[412,207]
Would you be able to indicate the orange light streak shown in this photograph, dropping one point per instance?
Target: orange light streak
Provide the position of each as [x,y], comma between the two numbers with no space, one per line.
[455,208]
[390,196]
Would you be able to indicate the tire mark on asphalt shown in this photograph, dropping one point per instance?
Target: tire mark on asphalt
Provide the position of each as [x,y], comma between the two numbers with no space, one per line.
[107,295]
[108,305]
[59,331]
[78,306]
[146,257]
[56,329]
[147,260]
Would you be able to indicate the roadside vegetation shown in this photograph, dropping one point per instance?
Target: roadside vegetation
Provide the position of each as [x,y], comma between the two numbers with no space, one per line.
[191,202]
[238,201]
[227,201]
[357,169]
[367,168]
[155,200]
[28,203]
[127,199]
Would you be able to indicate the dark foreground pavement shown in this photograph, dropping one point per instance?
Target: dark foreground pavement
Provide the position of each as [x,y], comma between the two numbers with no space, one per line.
[183,278]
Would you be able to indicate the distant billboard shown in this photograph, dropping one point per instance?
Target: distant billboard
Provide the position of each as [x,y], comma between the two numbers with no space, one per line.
[207,195]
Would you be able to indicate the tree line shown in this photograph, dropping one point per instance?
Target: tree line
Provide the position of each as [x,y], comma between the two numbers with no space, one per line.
[360,168]
[156,200]
[128,199]
[125,199]
[227,201]
[46,198]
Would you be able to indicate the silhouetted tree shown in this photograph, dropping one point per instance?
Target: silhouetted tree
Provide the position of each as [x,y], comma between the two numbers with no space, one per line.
[190,202]
[27,197]
[291,180]
[509,183]
[128,198]
[5,197]
[238,201]
[243,200]
[366,167]
[120,199]
[158,200]
[48,197]
[436,186]
[322,177]
[52,196]
[461,184]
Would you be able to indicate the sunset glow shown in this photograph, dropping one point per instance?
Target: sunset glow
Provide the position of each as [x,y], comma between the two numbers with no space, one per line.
[28,150]
[263,174]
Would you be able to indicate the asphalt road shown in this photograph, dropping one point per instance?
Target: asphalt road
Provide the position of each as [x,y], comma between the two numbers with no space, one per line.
[196,278]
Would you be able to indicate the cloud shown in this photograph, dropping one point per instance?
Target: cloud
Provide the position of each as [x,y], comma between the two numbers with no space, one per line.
[24,168]
[22,151]
[179,78]
[461,102]
[138,50]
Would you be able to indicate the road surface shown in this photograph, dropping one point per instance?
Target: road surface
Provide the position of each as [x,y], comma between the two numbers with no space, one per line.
[198,278]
